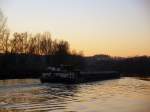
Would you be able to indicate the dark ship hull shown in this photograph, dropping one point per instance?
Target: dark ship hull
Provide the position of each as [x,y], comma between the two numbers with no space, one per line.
[78,77]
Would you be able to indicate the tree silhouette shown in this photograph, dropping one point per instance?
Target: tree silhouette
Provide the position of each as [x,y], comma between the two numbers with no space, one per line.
[4,34]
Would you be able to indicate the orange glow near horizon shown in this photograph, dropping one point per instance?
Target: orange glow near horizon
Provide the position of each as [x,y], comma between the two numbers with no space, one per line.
[116,28]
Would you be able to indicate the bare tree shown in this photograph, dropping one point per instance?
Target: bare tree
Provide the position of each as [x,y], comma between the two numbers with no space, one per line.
[63,47]
[4,34]
[2,22]
[25,42]
[45,44]
[5,43]
[13,44]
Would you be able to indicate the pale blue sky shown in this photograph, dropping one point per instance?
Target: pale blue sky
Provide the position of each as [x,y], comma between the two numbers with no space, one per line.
[115,27]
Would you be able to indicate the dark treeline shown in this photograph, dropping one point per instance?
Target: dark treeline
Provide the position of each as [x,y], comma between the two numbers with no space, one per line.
[138,65]
[28,65]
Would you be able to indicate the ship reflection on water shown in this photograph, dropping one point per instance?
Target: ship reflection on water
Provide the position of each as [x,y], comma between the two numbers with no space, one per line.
[119,95]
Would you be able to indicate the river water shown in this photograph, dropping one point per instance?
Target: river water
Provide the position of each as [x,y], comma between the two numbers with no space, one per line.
[119,95]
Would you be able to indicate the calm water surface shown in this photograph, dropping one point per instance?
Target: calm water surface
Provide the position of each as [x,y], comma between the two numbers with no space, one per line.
[119,95]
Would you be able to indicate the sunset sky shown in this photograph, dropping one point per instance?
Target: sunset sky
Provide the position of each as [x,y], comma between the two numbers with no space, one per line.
[114,27]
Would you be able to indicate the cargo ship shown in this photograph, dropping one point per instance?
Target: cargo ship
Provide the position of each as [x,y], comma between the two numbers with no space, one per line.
[66,74]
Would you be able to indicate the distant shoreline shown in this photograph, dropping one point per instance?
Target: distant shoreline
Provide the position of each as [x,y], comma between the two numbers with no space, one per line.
[32,66]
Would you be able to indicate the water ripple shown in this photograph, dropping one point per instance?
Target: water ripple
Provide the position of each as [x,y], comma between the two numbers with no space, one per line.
[123,95]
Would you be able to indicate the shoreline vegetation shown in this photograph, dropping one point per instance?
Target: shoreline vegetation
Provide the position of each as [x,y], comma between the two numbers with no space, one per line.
[15,65]
[26,55]
[29,54]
